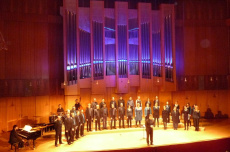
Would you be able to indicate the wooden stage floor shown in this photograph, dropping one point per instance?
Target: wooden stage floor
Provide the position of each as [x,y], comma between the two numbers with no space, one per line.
[128,138]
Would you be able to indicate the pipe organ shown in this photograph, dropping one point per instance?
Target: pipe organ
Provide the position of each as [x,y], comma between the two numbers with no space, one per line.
[119,47]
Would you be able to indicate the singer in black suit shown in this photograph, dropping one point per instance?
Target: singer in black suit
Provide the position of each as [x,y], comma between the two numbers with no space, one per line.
[97,117]
[175,117]
[149,129]
[165,117]
[82,122]
[186,115]
[89,117]
[121,114]
[196,118]
[104,115]
[113,114]
[168,108]
[78,124]
[68,128]
[58,129]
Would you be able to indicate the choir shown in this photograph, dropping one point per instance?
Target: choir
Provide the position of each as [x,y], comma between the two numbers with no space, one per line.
[74,120]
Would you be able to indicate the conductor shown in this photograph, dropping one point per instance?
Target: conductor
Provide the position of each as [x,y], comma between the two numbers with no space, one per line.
[149,129]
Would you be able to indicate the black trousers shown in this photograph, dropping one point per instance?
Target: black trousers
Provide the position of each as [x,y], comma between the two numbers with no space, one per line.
[156,119]
[196,123]
[72,134]
[68,135]
[139,122]
[149,133]
[121,120]
[111,123]
[129,121]
[165,124]
[89,124]
[168,118]
[186,124]
[175,125]
[104,122]
[97,124]
[77,132]
[58,136]
[82,129]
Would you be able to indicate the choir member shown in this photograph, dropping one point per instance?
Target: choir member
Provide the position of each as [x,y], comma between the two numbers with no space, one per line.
[138,114]
[156,101]
[78,123]
[73,110]
[104,114]
[82,122]
[121,115]
[113,114]
[147,111]
[72,116]
[139,101]
[97,118]
[149,129]
[175,117]
[148,102]
[68,128]
[190,112]
[77,105]
[186,116]
[168,108]
[58,129]
[89,117]
[156,110]
[129,116]
[165,117]
[121,100]
[196,118]
[113,102]
[14,138]
[177,106]
[102,103]
[131,103]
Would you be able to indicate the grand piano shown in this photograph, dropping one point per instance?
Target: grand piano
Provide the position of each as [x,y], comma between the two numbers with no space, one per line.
[29,133]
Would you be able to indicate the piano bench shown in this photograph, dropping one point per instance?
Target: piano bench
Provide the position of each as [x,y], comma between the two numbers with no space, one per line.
[15,146]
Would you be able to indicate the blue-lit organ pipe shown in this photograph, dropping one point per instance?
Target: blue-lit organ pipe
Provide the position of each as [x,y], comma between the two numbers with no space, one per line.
[110,47]
[98,69]
[145,50]
[133,47]
[156,47]
[71,46]
[168,48]
[85,54]
[122,51]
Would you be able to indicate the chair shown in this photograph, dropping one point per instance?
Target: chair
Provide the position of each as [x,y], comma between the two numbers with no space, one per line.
[15,146]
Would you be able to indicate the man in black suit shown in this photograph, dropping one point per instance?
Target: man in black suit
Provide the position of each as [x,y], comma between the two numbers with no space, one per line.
[175,117]
[168,108]
[121,100]
[97,117]
[77,105]
[113,114]
[104,115]
[68,128]
[121,114]
[113,102]
[72,116]
[58,129]
[186,115]
[82,121]
[78,122]
[102,103]
[14,138]
[156,101]
[149,129]
[89,117]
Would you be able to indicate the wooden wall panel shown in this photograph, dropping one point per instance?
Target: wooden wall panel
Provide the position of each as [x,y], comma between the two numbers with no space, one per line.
[54,102]
[3,114]
[12,69]
[42,109]
[70,101]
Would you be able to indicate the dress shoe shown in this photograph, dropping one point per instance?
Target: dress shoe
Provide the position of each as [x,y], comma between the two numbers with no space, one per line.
[56,145]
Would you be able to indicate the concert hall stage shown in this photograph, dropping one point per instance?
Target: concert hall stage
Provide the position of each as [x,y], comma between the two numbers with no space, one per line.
[215,138]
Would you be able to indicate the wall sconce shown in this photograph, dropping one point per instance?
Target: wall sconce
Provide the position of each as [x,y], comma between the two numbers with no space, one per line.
[128,81]
[158,80]
[97,83]
[185,80]
[6,84]
[211,79]
[30,84]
